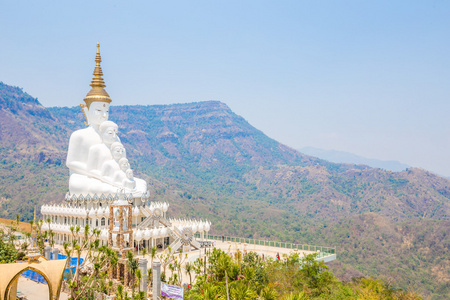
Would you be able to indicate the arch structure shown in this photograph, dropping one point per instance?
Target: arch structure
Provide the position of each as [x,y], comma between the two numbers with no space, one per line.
[52,270]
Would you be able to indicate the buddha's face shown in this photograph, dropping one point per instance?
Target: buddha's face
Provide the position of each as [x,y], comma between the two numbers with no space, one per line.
[129,174]
[124,165]
[98,112]
[118,152]
[110,135]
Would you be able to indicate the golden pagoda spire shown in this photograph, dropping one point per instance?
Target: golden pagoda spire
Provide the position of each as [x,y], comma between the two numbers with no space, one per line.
[97,92]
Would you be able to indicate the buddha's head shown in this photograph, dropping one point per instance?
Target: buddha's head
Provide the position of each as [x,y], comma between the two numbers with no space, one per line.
[129,174]
[108,131]
[124,164]
[97,99]
[118,151]
[98,112]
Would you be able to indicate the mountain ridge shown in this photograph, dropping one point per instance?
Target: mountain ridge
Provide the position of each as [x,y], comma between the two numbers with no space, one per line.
[347,157]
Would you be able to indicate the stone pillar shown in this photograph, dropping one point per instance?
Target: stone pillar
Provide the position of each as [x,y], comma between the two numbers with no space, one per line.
[120,234]
[55,253]
[126,275]
[111,273]
[130,226]
[143,267]
[47,251]
[156,271]
[111,224]
[130,217]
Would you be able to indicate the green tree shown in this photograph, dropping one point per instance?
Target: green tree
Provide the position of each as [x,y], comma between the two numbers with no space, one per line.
[242,291]
[269,293]
[133,267]
[8,253]
[189,268]
[100,260]
[153,252]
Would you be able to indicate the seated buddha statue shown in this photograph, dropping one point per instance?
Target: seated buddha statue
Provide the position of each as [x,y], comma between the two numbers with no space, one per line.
[90,148]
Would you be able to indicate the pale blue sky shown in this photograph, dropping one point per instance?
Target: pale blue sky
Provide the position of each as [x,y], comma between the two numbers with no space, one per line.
[367,77]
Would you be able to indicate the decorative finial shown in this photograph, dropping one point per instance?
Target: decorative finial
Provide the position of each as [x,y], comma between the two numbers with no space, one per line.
[98,60]
[97,93]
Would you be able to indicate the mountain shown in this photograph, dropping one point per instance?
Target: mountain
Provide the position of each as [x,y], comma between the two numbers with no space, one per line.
[32,153]
[208,162]
[412,253]
[350,158]
[27,129]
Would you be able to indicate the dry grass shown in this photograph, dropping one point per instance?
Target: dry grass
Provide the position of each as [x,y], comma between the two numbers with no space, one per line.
[23,226]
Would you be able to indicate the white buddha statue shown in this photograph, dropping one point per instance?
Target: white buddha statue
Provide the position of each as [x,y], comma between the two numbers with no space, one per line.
[91,148]
[118,151]
[101,153]
[126,178]
[108,161]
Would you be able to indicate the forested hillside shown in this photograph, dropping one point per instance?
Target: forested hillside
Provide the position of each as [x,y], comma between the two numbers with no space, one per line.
[209,162]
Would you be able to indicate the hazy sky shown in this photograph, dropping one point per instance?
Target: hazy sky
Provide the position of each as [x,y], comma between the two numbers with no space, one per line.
[367,77]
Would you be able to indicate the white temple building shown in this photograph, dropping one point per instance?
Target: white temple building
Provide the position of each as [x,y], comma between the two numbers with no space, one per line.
[100,176]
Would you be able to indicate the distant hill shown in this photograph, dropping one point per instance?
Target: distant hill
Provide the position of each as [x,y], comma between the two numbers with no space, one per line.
[350,158]
[413,252]
[208,162]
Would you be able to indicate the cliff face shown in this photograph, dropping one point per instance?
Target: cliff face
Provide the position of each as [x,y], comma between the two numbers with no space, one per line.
[27,129]
[209,162]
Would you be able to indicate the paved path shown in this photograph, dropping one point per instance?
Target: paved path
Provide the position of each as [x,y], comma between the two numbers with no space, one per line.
[35,291]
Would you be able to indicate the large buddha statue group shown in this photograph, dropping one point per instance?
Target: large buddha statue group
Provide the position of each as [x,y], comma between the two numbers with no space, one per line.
[96,158]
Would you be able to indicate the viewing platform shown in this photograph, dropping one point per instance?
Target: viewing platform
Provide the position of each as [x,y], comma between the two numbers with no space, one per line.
[268,248]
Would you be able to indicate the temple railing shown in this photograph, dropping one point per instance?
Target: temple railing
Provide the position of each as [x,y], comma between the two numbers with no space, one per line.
[321,250]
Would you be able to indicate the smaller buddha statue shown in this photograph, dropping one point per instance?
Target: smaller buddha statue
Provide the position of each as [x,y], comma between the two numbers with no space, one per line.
[118,151]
